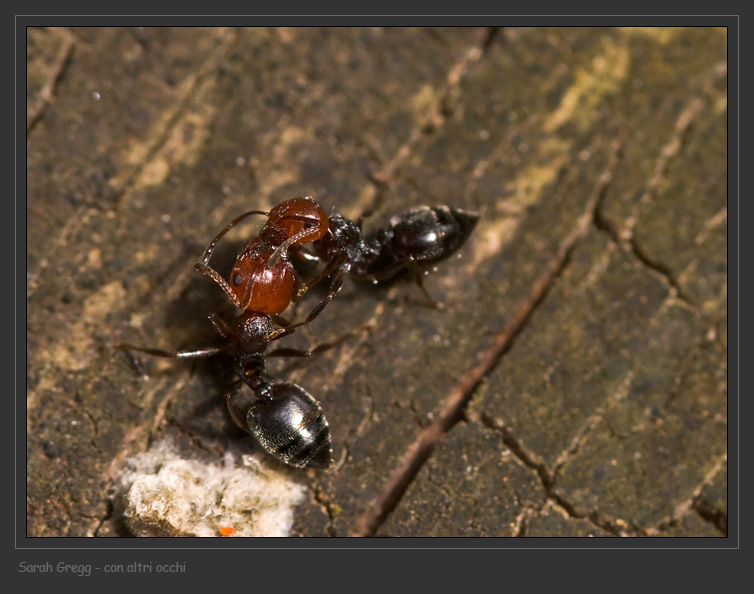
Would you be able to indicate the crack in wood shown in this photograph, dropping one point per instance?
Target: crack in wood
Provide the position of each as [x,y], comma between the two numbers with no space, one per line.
[624,237]
[697,504]
[620,394]
[327,509]
[173,115]
[452,410]
[493,34]
[54,78]
[663,270]
[123,183]
[109,508]
[672,148]
[711,514]
[548,479]
[521,523]
[435,118]
[444,112]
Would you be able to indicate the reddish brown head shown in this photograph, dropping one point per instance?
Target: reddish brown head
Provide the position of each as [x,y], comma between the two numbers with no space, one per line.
[302,220]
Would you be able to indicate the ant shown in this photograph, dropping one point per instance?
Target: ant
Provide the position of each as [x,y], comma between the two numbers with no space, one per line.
[285,419]
[263,278]
[413,239]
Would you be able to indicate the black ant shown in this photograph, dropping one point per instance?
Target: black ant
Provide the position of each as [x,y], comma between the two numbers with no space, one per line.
[415,238]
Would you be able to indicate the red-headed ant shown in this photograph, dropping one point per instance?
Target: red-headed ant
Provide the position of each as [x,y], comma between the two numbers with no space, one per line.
[285,419]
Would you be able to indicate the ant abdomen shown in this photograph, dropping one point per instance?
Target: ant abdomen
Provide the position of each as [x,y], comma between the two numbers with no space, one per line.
[425,235]
[289,424]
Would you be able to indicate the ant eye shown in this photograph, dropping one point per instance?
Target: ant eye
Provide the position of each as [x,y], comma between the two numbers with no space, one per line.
[237,280]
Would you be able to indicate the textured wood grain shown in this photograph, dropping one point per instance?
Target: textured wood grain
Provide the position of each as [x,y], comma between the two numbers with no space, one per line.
[573,385]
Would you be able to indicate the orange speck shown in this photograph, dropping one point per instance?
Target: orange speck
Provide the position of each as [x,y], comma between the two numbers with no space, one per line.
[227,530]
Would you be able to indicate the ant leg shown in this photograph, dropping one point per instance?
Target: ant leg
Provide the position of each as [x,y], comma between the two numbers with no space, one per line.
[321,348]
[336,285]
[225,329]
[303,253]
[418,277]
[136,363]
[211,247]
[203,264]
[235,412]
[280,332]
[295,239]
[412,266]
[280,320]
[377,203]
[332,265]
[362,217]
[206,352]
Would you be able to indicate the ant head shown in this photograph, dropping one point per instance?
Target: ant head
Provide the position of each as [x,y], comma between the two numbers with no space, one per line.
[302,219]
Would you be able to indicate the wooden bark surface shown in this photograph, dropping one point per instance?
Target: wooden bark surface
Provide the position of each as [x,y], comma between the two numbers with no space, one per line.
[575,383]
